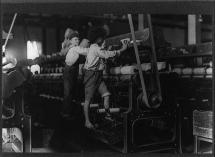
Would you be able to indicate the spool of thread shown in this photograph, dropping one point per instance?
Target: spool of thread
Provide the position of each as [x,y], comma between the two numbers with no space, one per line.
[57,69]
[128,69]
[161,65]
[210,64]
[112,110]
[125,77]
[187,71]
[91,105]
[199,71]
[104,72]
[115,70]
[52,70]
[94,105]
[146,66]
[209,71]
[41,70]
[177,70]
[60,69]
[35,68]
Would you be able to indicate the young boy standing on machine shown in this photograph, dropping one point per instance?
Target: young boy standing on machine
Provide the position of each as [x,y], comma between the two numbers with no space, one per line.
[93,70]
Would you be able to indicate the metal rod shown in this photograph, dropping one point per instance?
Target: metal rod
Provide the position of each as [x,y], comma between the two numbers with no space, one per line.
[145,98]
[11,26]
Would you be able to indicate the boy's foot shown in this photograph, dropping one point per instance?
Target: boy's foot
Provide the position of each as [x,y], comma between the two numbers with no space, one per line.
[108,116]
[89,125]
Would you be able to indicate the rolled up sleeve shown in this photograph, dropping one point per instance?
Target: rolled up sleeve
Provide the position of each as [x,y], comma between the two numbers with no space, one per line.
[71,57]
[105,54]
[81,50]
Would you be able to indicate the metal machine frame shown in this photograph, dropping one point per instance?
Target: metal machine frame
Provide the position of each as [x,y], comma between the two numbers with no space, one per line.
[20,120]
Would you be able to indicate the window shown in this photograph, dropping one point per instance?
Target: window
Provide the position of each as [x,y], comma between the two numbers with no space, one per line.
[34,50]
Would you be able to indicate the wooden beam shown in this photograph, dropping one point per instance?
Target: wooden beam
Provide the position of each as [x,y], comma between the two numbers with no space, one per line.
[140,21]
[213,61]
[198,30]
[191,29]
[44,43]
[57,27]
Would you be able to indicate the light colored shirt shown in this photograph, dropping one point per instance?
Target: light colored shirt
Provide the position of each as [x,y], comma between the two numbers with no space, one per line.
[95,56]
[73,54]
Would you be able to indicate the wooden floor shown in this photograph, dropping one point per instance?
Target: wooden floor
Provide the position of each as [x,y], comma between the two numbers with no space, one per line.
[62,140]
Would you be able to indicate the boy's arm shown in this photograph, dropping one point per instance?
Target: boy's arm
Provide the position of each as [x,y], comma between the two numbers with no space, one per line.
[106,54]
[65,47]
[64,51]
[81,50]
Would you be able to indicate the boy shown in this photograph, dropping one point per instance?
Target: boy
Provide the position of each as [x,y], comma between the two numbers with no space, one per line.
[72,51]
[93,70]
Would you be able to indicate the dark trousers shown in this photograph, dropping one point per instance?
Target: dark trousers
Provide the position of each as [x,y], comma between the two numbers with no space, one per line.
[70,76]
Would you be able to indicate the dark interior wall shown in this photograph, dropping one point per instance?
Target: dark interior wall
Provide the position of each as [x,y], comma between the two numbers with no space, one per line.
[177,36]
[19,44]
[51,42]
[206,33]
[17,47]
[117,28]
[207,36]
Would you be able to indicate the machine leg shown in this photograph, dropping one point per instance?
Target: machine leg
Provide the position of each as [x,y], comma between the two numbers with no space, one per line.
[196,144]
[27,134]
[125,134]
[179,129]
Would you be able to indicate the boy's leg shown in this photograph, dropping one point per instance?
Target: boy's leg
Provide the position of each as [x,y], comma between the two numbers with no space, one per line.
[106,96]
[67,88]
[106,102]
[70,81]
[88,124]
[90,80]
[73,90]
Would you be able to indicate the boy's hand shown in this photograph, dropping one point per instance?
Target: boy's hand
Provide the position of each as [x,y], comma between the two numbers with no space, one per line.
[109,48]
[66,43]
[125,43]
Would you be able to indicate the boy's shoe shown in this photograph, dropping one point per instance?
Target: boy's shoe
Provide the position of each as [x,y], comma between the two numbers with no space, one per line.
[89,125]
[108,115]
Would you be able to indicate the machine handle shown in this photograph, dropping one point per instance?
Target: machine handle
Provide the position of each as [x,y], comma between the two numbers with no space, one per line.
[154,60]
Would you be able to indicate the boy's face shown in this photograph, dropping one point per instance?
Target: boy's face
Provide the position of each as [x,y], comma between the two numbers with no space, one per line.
[100,42]
[75,41]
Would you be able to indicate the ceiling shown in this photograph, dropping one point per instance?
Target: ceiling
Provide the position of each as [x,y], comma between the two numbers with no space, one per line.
[171,13]
[71,7]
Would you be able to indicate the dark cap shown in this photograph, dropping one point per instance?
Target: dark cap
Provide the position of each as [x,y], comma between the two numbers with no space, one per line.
[95,33]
